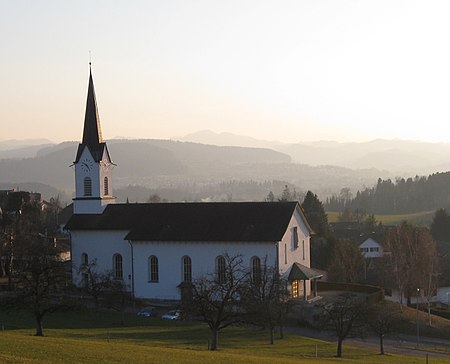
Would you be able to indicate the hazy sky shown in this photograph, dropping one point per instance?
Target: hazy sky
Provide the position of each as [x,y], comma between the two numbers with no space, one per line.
[280,70]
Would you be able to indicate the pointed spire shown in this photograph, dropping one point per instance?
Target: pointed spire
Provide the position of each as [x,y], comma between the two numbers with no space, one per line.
[92,134]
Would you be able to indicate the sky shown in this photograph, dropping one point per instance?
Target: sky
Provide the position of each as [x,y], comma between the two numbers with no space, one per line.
[291,71]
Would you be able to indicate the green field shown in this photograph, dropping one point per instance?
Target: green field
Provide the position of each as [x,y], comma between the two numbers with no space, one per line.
[87,337]
[423,218]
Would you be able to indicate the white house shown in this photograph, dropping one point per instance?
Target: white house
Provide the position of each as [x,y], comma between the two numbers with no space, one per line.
[370,248]
[154,248]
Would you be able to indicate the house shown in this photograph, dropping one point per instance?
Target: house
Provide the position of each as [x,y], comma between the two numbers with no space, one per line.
[371,248]
[157,247]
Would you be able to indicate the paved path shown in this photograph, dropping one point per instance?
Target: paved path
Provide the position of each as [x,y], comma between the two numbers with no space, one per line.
[400,344]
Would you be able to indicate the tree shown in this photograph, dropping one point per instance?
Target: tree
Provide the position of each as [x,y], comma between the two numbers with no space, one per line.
[347,265]
[440,226]
[95,283]
[270,197]
[382,319]
[118,297]
[154,198]
[322,242]
[413,258]
[38,273]
[287,195]
[216,297]
[265,298]
[315,214]
[41,279]
[344,317]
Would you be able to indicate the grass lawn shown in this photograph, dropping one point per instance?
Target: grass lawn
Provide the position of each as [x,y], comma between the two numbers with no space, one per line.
[88,337]
[423,218]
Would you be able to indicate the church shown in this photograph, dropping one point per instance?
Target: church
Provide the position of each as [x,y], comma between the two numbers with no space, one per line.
[156,248]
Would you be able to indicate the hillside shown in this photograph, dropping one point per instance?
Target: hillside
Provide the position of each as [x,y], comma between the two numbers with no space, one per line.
[137,160]
[186,166]
[399,157]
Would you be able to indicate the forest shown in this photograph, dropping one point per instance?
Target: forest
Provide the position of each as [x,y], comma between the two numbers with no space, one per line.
[396,197]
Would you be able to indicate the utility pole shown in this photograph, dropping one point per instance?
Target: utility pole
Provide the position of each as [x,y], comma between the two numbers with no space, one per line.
[417,315]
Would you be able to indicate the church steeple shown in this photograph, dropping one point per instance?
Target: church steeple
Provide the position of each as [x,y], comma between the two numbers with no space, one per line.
[93,165]
[92,133]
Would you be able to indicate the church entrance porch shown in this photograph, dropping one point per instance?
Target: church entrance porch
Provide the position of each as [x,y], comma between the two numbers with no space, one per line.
[298,278]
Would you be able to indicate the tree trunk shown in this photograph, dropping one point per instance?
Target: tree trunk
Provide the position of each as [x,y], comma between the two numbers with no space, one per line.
[96,303]
[271,329]
[339,348]
[39,328]
[281,330]
[429,314]
[214,339]
[381,345]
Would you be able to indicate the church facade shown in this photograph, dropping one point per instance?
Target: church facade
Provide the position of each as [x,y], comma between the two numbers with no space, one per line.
[157,247]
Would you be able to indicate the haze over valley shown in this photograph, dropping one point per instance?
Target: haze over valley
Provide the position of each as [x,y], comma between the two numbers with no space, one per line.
[235,168]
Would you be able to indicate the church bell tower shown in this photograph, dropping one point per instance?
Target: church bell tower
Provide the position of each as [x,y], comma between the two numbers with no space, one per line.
[93,165]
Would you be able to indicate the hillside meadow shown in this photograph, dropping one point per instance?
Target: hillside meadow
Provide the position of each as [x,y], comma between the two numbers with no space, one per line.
[87,337]
[423,218]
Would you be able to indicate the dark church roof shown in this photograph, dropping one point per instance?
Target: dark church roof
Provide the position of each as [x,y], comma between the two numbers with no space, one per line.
[221,221]
[92,133]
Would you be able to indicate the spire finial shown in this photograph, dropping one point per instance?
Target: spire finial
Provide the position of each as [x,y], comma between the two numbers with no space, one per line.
[90,60]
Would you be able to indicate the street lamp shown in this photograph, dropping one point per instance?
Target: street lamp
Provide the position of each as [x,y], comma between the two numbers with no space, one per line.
[417,315]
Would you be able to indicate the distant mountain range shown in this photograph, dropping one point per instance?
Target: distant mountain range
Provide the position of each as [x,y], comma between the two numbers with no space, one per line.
[188,167]
[400,157]
[192,167]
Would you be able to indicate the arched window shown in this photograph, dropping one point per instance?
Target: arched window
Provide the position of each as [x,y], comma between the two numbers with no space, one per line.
[256,269]
[105,186]
[117,266]
[87,186]
[221,275]
[187,269]
[84,259]
[84,269]
[153,275]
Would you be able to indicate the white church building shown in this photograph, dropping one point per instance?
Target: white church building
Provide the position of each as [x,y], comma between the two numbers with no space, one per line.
[156,247]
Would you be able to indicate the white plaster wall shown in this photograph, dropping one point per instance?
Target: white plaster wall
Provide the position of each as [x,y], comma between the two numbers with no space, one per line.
[295,254]
[106,171]
[80,174]
[85,206]
[101,245]
[203,256]
[91,206]
[443,295]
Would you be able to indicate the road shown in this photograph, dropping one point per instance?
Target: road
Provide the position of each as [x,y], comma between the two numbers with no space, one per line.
[400,344]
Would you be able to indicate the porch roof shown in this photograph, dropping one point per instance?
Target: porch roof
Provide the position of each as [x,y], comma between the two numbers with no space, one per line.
[300,272]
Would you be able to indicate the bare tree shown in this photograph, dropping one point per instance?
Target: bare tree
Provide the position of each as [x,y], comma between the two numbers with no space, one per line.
[118,297]
[347,263]
[41,279]
[413,258]
[344,317]
[96,284]
[265,298]
[430,288]
[383,318]
[216,297]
